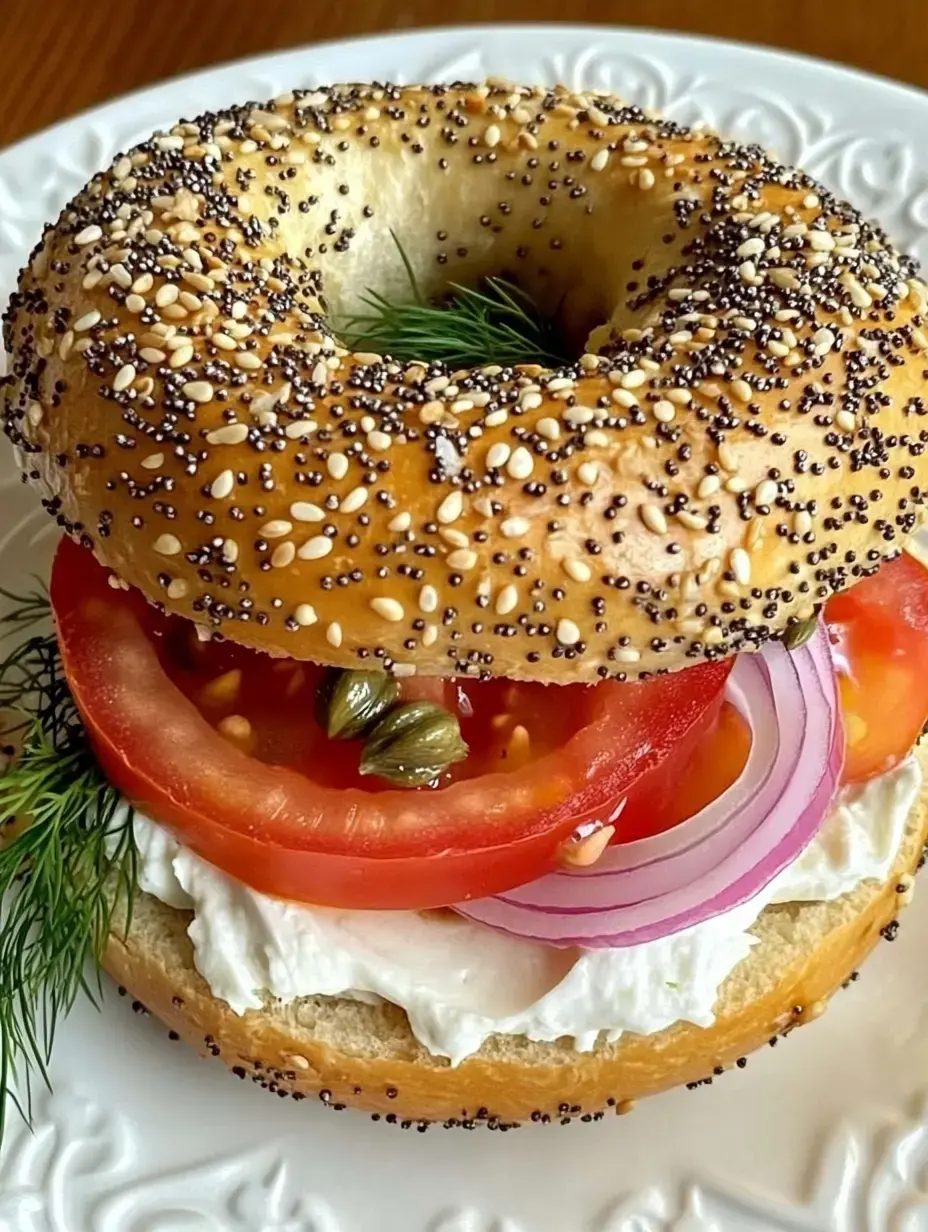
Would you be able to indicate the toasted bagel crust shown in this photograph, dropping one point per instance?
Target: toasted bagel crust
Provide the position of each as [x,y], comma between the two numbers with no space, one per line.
[350,1054]
[745,440]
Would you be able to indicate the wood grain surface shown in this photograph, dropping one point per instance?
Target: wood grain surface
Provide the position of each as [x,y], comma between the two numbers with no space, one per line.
[59,56]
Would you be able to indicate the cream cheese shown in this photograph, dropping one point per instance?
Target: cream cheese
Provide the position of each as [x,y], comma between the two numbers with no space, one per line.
[461,982]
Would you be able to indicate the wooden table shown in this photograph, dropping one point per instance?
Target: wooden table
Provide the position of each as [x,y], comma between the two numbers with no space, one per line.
[58,56]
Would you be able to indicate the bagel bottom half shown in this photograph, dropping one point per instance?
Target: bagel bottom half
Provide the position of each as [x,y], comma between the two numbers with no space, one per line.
[346,1053]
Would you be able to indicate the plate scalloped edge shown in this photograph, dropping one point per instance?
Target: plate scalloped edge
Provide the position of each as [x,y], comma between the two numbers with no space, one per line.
[87,1166]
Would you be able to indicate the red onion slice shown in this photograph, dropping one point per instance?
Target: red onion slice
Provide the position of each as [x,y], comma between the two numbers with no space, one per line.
[726,853]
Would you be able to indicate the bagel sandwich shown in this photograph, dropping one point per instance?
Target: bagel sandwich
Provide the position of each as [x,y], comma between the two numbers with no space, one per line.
[472,741]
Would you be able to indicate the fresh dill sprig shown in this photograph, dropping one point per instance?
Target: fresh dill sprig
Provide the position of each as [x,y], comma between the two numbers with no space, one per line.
[67,854]
[495,323]
[27,609]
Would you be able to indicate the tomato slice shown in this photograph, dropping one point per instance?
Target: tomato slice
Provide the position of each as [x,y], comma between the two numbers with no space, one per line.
[286,816]
[705,763]
[879,629]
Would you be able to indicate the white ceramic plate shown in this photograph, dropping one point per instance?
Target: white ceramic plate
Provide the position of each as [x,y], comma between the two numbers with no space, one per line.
[826,1133]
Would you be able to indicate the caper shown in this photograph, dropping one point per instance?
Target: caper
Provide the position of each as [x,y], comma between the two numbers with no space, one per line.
[414,744]
[349,703]
[798,634]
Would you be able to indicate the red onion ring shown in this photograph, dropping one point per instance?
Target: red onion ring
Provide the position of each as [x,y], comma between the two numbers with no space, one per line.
[726,853]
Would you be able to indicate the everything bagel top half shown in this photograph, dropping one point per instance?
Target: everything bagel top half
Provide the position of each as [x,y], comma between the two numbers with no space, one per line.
[742,434]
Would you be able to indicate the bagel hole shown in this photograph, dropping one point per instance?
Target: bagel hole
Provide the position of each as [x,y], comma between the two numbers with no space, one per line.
[567,307]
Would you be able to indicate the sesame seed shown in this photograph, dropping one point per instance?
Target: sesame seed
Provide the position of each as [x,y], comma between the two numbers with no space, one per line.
[492,135]
[577,416]
[166,294]
[823,341]
[728,459]
[389,609]
[152,355]
[228,434]
[223,485]
[665,411]
[568,633]
[315,548]
[333,634]
[276,529]
[646,178]
[741,566]
[35,413]
[693,521]
[588,472]
[514,528]
[627,654]
[498,455]
[168,545]
[529,401]
[430,635]
[634,379]
[521,463]
[846,420]
[248,360]
[507,600]
[135,303]
[579,570]
[496,418]
[708,486]
[559,384]
[549,428]
[124,377]
[456,538]
[741,390]
[337,465]
[182,355]
[653,519]
[355,499]
[821,241]
[379,441]
[599,160]
[624,398]
[89,235]
[802,522]
[451,507]
[87,321]
[299,428]
[284,554]
[198,391]
[750,248]
[177,588]
[305,614]
[400,523]
[463,559]
[766,492]
[428,599]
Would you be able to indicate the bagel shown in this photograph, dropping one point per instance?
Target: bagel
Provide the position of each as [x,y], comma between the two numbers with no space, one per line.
[346,1053]
[737,440]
